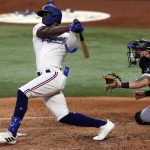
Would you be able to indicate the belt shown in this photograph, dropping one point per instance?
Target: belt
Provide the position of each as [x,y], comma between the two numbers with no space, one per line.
[40,73]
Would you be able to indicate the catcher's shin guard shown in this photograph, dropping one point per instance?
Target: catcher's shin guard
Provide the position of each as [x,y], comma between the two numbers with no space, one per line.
[139,120]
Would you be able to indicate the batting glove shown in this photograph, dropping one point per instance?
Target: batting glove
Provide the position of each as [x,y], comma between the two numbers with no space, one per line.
[76,27]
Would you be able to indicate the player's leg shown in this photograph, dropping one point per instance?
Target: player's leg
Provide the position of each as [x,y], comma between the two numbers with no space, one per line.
[47,84]
[20,110]
[143,117]
[57,104]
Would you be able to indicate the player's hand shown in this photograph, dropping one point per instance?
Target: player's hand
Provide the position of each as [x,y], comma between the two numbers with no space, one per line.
[76,27]
[139,94]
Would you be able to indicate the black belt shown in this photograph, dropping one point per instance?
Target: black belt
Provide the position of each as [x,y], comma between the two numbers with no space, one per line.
[40,73]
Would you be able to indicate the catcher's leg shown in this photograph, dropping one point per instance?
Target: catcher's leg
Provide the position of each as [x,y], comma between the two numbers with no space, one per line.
[142,117]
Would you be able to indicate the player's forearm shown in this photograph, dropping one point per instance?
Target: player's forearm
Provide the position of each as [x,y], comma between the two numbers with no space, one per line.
[139,83]
[56,31]
[52,31]
[134,84]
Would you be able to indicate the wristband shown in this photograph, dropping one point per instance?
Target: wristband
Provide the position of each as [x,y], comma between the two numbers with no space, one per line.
[147,93]
[125,85]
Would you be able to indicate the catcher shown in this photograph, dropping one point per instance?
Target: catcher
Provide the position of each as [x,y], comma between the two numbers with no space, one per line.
[139,53]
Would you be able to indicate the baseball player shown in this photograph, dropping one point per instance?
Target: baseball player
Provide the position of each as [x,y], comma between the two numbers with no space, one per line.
[52,43]
[139,53]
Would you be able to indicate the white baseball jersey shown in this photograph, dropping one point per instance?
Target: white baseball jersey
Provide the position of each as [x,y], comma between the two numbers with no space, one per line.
[50,53]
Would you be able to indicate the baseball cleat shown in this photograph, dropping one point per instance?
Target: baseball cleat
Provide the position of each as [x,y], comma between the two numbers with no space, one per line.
[7,138]
[104,131]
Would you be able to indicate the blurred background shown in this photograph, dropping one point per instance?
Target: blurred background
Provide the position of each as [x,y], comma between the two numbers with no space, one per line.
[125,13]
[106,39]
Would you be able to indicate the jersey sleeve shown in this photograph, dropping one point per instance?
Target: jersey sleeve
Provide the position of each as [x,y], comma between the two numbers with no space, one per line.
[71,44]
[35,29]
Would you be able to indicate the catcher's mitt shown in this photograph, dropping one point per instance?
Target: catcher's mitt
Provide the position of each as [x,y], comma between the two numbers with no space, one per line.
[112,81]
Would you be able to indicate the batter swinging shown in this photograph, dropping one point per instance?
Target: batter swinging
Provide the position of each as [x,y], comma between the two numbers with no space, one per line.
[51,44]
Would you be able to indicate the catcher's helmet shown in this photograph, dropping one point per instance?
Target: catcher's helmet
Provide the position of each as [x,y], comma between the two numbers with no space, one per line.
[56,14]
[134,50]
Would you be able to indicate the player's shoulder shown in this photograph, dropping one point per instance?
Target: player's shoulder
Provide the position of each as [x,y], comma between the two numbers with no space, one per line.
[37,26]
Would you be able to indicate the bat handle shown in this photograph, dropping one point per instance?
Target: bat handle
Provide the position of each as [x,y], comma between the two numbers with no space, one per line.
[81,36]
[80,33]
[83,44]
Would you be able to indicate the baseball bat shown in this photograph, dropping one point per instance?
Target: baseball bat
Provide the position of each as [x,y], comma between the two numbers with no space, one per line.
[83,43]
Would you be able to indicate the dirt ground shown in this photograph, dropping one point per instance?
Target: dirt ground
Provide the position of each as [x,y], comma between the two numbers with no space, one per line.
[43,132]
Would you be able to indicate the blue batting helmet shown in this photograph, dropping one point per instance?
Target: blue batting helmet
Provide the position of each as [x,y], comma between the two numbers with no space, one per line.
[56,14]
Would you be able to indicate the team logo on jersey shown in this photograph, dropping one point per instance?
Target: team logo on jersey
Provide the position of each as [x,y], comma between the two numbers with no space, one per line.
[59,40]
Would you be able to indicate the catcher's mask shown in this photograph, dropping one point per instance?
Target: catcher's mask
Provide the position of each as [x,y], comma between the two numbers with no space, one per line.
[134,48]
[56,14]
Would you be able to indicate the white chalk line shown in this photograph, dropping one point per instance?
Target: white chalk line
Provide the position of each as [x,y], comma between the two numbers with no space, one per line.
[52,117]
[125,123]
[27,118]
[33,128]
[24,131]
[56,148]
[20,134]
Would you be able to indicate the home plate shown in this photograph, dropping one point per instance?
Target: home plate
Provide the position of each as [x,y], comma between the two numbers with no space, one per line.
[21,134]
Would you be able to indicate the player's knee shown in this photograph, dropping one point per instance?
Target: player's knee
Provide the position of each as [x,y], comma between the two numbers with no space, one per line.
[21,102]
[22,89]
[139,120]
[62,115]
[21,94]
